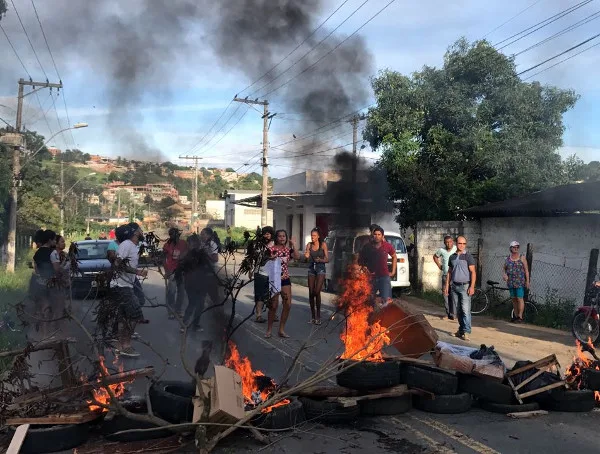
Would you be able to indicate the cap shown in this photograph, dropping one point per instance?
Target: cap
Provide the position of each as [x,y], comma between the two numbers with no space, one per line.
[514,243]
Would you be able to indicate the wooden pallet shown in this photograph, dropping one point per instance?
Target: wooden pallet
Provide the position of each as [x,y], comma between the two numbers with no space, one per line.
[543,365]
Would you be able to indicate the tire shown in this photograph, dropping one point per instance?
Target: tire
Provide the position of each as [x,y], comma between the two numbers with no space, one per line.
[591,379]
[116,423]
[172,400]
[445,404]
[584,330]
[570,401]
[431,379]
[366,376]
[486,389]
[329,412]
[529,313]
[508,408]
[479,302]
[385,406]
[42,439]
[286,417]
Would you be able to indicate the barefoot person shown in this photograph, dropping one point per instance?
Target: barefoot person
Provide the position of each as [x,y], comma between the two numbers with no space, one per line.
[516,275]
[284,252]
[317,255]
[261,279]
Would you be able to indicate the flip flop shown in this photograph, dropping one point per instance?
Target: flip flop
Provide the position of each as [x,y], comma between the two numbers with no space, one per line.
[283,335]
[268,336]
[259,320]
[317,322]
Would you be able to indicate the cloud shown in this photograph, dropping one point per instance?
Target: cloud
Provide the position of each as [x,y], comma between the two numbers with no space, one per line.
[586,154]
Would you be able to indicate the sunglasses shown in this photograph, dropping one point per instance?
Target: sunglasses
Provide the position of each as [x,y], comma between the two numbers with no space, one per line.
[462,243]
[516,247]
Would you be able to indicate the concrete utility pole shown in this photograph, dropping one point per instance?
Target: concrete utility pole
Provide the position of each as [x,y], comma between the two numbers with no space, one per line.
[62,197]
[16,164]
[354,122]
[194,187]
[265,164]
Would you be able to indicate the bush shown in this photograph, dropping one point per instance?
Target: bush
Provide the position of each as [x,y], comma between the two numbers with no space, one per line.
[13,289]
[237,234]
[555,312]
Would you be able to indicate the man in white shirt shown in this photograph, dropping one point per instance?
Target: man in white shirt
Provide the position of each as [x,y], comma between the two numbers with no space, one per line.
[122,287]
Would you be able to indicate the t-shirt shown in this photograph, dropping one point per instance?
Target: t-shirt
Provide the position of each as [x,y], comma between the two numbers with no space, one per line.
[459,267]
[113,246]
[211,248]
[43,264]
[376,259]
[173,253]
[445,255]
[55,258]
[127,251]
[284,254]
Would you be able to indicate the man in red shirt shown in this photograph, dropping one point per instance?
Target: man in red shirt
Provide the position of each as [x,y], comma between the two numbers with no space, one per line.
[174,250]
[374,255]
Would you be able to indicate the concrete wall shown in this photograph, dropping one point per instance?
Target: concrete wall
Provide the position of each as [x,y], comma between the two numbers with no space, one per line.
[561,250]
[291,184]
[309,181]
[215,209]
[243,216]
[430,237]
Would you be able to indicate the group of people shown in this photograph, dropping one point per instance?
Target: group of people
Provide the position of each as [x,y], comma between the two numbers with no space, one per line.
[459,277]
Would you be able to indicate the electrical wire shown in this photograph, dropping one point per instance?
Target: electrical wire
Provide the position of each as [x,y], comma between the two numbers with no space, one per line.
[512,18]
[212,127]
[332,50]
[29,39]
[528,31]
[229,130]
[562,61]
[15,51]
[559,55]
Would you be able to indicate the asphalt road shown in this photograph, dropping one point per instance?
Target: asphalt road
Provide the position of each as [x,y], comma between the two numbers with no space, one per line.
[414,432]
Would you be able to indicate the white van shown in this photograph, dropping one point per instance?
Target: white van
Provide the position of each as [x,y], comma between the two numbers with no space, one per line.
[342,245]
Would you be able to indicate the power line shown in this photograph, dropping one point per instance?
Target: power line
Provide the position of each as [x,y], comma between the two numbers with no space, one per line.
[15,51]
[29,39]
[212,126]
[512,18]
[310,50]
[528,31]
[229,130]
[562,61]
[560,54]
[316,152]
[297,47]
[56,69]
[572,27]
[332,50]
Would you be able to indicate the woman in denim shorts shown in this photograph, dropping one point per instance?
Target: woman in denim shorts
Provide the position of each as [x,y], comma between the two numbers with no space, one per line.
[317,255]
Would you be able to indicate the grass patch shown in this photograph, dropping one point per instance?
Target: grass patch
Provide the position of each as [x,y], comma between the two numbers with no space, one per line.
[433,296]
[13,289]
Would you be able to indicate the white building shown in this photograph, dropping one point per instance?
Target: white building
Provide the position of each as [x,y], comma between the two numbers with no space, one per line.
[237,215]
[215,209]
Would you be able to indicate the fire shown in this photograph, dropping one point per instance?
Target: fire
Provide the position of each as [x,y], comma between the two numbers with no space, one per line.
[581,362]
[101,395]
[256,386]
[363,340]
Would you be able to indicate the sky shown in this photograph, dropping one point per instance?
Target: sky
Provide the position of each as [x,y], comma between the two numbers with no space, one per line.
[157,83]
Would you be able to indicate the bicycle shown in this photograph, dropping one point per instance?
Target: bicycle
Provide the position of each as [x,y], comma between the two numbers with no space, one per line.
[586,321]
[483,300]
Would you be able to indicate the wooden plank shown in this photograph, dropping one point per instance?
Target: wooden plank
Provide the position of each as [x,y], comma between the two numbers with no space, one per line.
[398,391]
[527,414]
[77,418]
[18,439]
[542,362]
[530,379]
[326,391]
[45,345]
[86,387]
[542,389]
[406,359]
[65,367]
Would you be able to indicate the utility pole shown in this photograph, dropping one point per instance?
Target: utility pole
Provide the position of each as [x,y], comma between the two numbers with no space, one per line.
[62,197]
[265,164]
[354,121]
[16,169]
[194,187]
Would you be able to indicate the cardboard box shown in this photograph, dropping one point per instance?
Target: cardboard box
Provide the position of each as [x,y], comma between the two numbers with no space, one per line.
[411,334]
[226,399]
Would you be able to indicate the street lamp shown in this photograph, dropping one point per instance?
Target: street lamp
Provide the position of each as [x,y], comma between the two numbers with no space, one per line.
[75,126]
[64,193]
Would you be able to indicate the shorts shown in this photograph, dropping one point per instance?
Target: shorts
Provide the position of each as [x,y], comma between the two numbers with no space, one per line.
[316,268]
[518,292]
[384,285]
[261,288]
[129,307]
[285,282]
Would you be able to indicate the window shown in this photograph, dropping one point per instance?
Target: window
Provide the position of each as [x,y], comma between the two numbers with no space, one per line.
[92,251]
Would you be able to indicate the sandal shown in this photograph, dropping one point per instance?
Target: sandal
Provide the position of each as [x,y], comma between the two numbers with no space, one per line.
[259,320]
[318,321]
[312,322]
[268,336]
[283,335]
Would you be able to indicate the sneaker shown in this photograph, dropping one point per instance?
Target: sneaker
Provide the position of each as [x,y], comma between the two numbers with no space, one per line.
[129,352]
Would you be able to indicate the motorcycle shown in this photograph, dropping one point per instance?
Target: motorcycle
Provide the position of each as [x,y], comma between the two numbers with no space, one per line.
[586,321]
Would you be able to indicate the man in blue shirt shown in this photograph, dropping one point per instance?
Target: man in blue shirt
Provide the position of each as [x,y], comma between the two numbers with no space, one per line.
[461,282]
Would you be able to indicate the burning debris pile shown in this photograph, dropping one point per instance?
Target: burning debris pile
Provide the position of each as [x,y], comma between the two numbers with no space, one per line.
[256,386]
[363,337]
[101,395]
[578,373]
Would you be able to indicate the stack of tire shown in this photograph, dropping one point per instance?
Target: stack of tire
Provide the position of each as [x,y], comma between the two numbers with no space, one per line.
[448,398]
[365,377]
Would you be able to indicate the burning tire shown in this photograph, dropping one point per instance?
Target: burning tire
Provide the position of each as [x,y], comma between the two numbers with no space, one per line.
[445,404]
[508,408]
[329,412]
[486,389]
[116,423]
[591,379]
[386,406]
[172,400]
[431,379]
[284,417]
[42,439]
[570,401]
[367,375]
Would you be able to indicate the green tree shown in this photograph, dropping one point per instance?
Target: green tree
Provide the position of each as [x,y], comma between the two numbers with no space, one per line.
[2,8]
[464,134]
[166,209]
